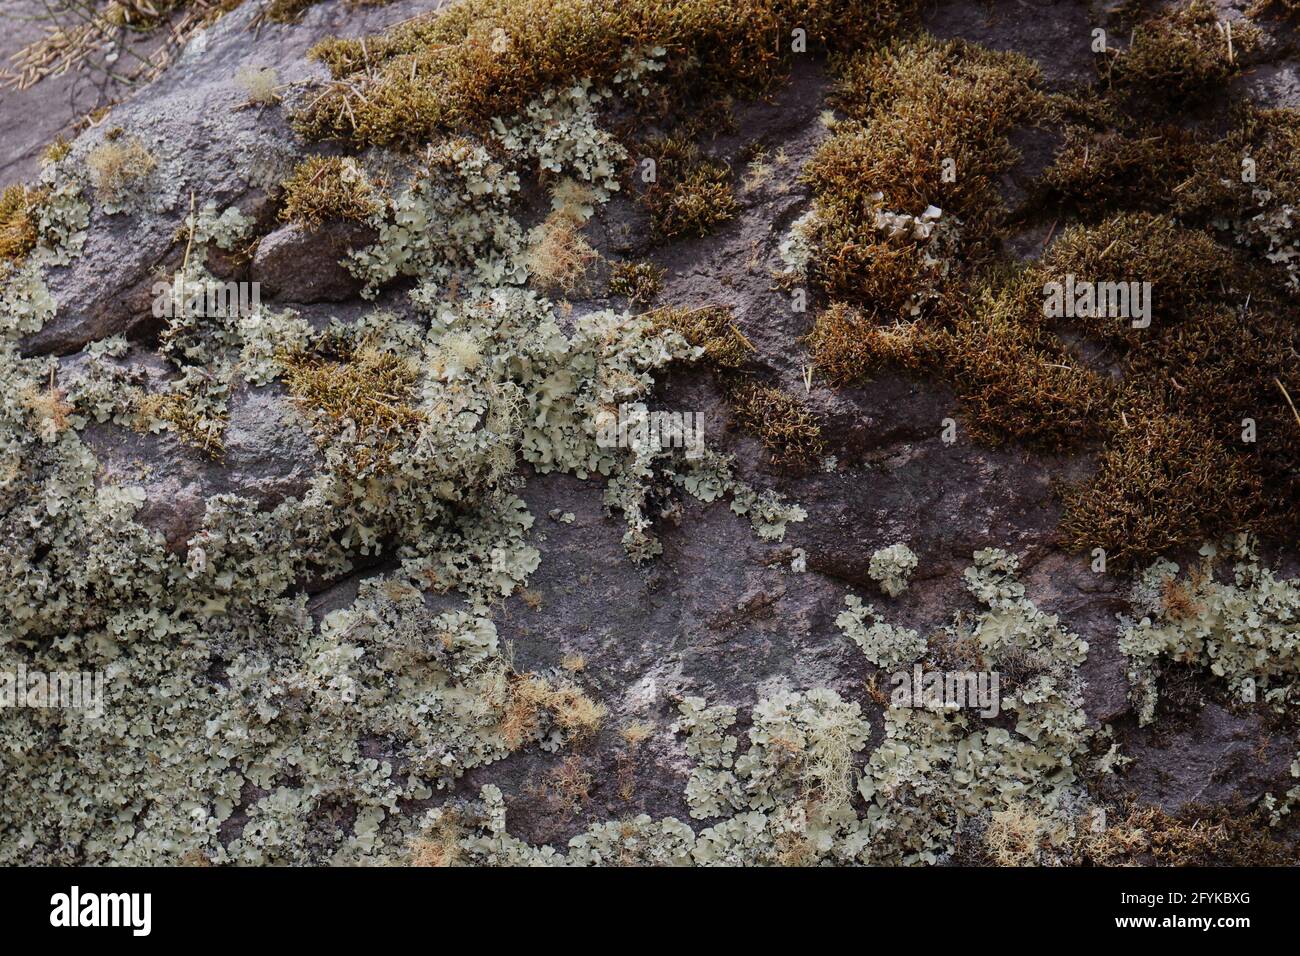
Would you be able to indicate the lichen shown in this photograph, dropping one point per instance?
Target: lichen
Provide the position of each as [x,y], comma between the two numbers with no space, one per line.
[1242,631]
[891,568]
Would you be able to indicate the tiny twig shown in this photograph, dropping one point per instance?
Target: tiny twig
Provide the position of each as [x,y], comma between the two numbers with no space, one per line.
[1287,396]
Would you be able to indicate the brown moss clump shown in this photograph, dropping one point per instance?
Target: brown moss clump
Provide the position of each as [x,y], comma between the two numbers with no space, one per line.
[1218,188]
[287,11]
[928,124]
[847,346]
[150,14]
[328,188]
[1274,8]
[1179,55]
[19,231]
[711,328]
[1160,484]
[116,165]
[1185,268]
[457,68]
[692,194]
[190,425]
[1191,412]
[1168,402]
[366,393]
[534,699]
[788,429]
[559,255]
[1015,379]
[1219,351]
[1228,835]
[1098,172]
[638,282]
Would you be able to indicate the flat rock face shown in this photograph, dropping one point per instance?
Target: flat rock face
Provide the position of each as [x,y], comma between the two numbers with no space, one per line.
[268,457]
[720,614]
[300,265]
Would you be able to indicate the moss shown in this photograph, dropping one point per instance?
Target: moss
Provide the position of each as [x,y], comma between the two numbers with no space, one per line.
[483,58]
[1170,407]
[287,11]
[1015,379]
[151,14]
[189,422]
[1096,173]
[55,151]
[1161,483]
[1179,56]
[922,100]
[638,282]
[847,346]
[1285,9]
[19,223]
[788,429]
[1198,835]
[365,393]
[710,328]
[1185,267]
[327,188]
[692,194]
[1177,470]
[926,138]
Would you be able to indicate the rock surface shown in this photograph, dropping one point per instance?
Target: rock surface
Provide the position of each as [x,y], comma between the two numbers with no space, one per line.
[720,614]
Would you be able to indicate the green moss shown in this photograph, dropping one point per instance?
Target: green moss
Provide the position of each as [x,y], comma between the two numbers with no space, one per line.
[18,223]
[327,188]
[482,58]
[692,194]
[366,394]
[788,429]
[1179,56]
[638,282]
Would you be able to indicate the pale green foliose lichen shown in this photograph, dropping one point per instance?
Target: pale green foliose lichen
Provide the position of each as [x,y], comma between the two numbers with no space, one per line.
[891,568]
[237,727]
[1244,629]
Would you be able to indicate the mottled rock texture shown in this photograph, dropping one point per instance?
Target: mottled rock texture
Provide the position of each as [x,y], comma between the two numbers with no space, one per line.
[720,614]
